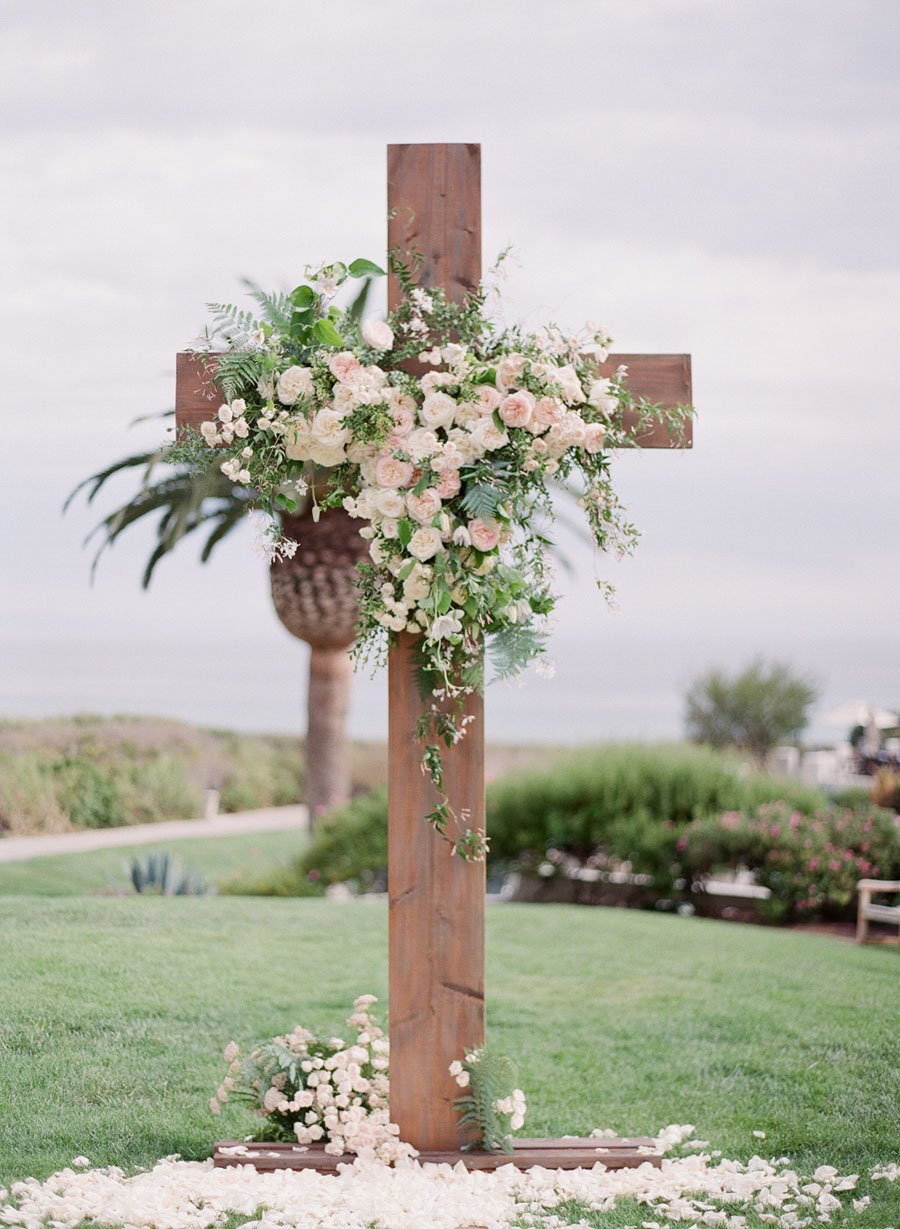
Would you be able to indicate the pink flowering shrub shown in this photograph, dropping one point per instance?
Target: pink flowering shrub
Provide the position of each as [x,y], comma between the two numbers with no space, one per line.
[810,863]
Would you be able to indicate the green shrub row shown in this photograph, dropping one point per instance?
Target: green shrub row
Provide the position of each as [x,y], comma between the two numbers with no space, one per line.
[96,773]
[624,805]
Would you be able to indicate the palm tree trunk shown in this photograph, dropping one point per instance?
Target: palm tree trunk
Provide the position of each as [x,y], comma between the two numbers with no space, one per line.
[327,745]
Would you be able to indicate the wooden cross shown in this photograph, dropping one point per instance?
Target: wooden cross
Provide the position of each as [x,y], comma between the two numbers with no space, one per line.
[437,902]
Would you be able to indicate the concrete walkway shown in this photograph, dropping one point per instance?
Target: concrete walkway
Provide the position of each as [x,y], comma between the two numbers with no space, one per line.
[269,819]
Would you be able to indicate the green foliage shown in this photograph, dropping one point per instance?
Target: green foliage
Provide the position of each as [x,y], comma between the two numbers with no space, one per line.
[159,874]
[629,801]
[491,1079]
[810,863]
[99,773]
[753,710]
[87,795]
[621,804]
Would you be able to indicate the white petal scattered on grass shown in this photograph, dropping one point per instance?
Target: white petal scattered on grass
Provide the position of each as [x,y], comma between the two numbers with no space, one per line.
[178,1194]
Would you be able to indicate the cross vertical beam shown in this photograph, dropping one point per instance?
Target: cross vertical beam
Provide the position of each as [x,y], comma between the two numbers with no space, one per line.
[436,927]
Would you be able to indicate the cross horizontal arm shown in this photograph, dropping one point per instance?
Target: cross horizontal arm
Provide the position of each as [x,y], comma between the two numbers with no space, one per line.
[664,379]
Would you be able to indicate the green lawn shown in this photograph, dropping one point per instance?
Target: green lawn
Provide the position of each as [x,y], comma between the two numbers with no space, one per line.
[113,1013]
[105,871]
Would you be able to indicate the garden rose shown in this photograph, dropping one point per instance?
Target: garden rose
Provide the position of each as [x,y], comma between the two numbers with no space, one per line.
[437,410]
[391,471]
[449,484]
[509,371]
[344,367]
[517,408]
[425,507]
[421,444]
[425,543]
[297,439]
[294,383]
[488,399]
[378,334]
[594,435]
[487,437]
[390,503]
[548,412]
[328,429]
[484,535]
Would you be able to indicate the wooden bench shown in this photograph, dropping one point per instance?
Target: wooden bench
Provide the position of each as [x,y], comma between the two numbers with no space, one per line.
[869,912]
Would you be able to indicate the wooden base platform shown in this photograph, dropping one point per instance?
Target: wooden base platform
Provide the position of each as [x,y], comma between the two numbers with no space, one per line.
[571,1153]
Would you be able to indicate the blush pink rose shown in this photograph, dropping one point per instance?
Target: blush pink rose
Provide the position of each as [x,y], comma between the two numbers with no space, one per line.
[488,399]
[344,367]
[485,535]
[392,472]
[449,484]
[594,435]
[549,412]
[517,409]
[425,507]
[404,420]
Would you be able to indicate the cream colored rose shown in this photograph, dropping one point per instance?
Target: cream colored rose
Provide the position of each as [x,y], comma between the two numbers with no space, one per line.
[574,427]
[509,371]
[297,440]
[294,383]
[425,507]
[421,444]
[487,437]
[389,528]
[404,419]
[600,397]
[417,585]
[378,334]
[517,408]
[484,535]
[567,378]
[328,429]
[392,472]
[326,454]
[594,435]
[437,410]
[390,503]
[425,543]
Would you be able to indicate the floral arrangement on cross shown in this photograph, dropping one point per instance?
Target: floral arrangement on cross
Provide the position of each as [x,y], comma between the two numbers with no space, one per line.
[443,433]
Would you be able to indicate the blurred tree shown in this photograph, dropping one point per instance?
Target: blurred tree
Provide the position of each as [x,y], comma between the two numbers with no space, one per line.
[753,711]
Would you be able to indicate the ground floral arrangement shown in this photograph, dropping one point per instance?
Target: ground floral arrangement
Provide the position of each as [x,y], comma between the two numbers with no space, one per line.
[701,1188]
[449,471]
[313,1090]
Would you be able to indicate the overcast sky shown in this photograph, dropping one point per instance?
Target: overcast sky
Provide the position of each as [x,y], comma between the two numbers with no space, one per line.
[715,177]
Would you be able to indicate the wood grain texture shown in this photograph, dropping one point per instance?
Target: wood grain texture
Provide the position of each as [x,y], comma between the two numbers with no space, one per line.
[436,927]
[197,397]
[436,923]
[548,1153]
[434,208]
[664,379]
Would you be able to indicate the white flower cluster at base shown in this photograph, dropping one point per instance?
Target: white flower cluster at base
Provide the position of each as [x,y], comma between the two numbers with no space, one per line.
[177,1194]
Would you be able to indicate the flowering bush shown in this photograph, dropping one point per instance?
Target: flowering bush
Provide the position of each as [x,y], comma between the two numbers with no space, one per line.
[487,1112]
[810,863]
[441,433]
[309,1089]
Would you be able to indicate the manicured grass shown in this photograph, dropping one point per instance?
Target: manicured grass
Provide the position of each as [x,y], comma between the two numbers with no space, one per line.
[105,871]
[113,1013]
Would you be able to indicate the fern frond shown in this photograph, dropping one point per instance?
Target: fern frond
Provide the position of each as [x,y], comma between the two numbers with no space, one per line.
[511,649]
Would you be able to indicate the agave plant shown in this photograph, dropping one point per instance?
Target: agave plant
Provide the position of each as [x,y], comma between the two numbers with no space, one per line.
[160,874]
[314,593]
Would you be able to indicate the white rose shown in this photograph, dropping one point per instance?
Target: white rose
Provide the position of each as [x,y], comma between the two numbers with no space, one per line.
[509,371]
[325,454]
[209,433]
[437,410]
[425,543]
[417,585]
[390,503]
[421,444]
[297,440]
[601,398]
[486,436]
[293,383]
[328,429]
[567,378]
[378,334]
